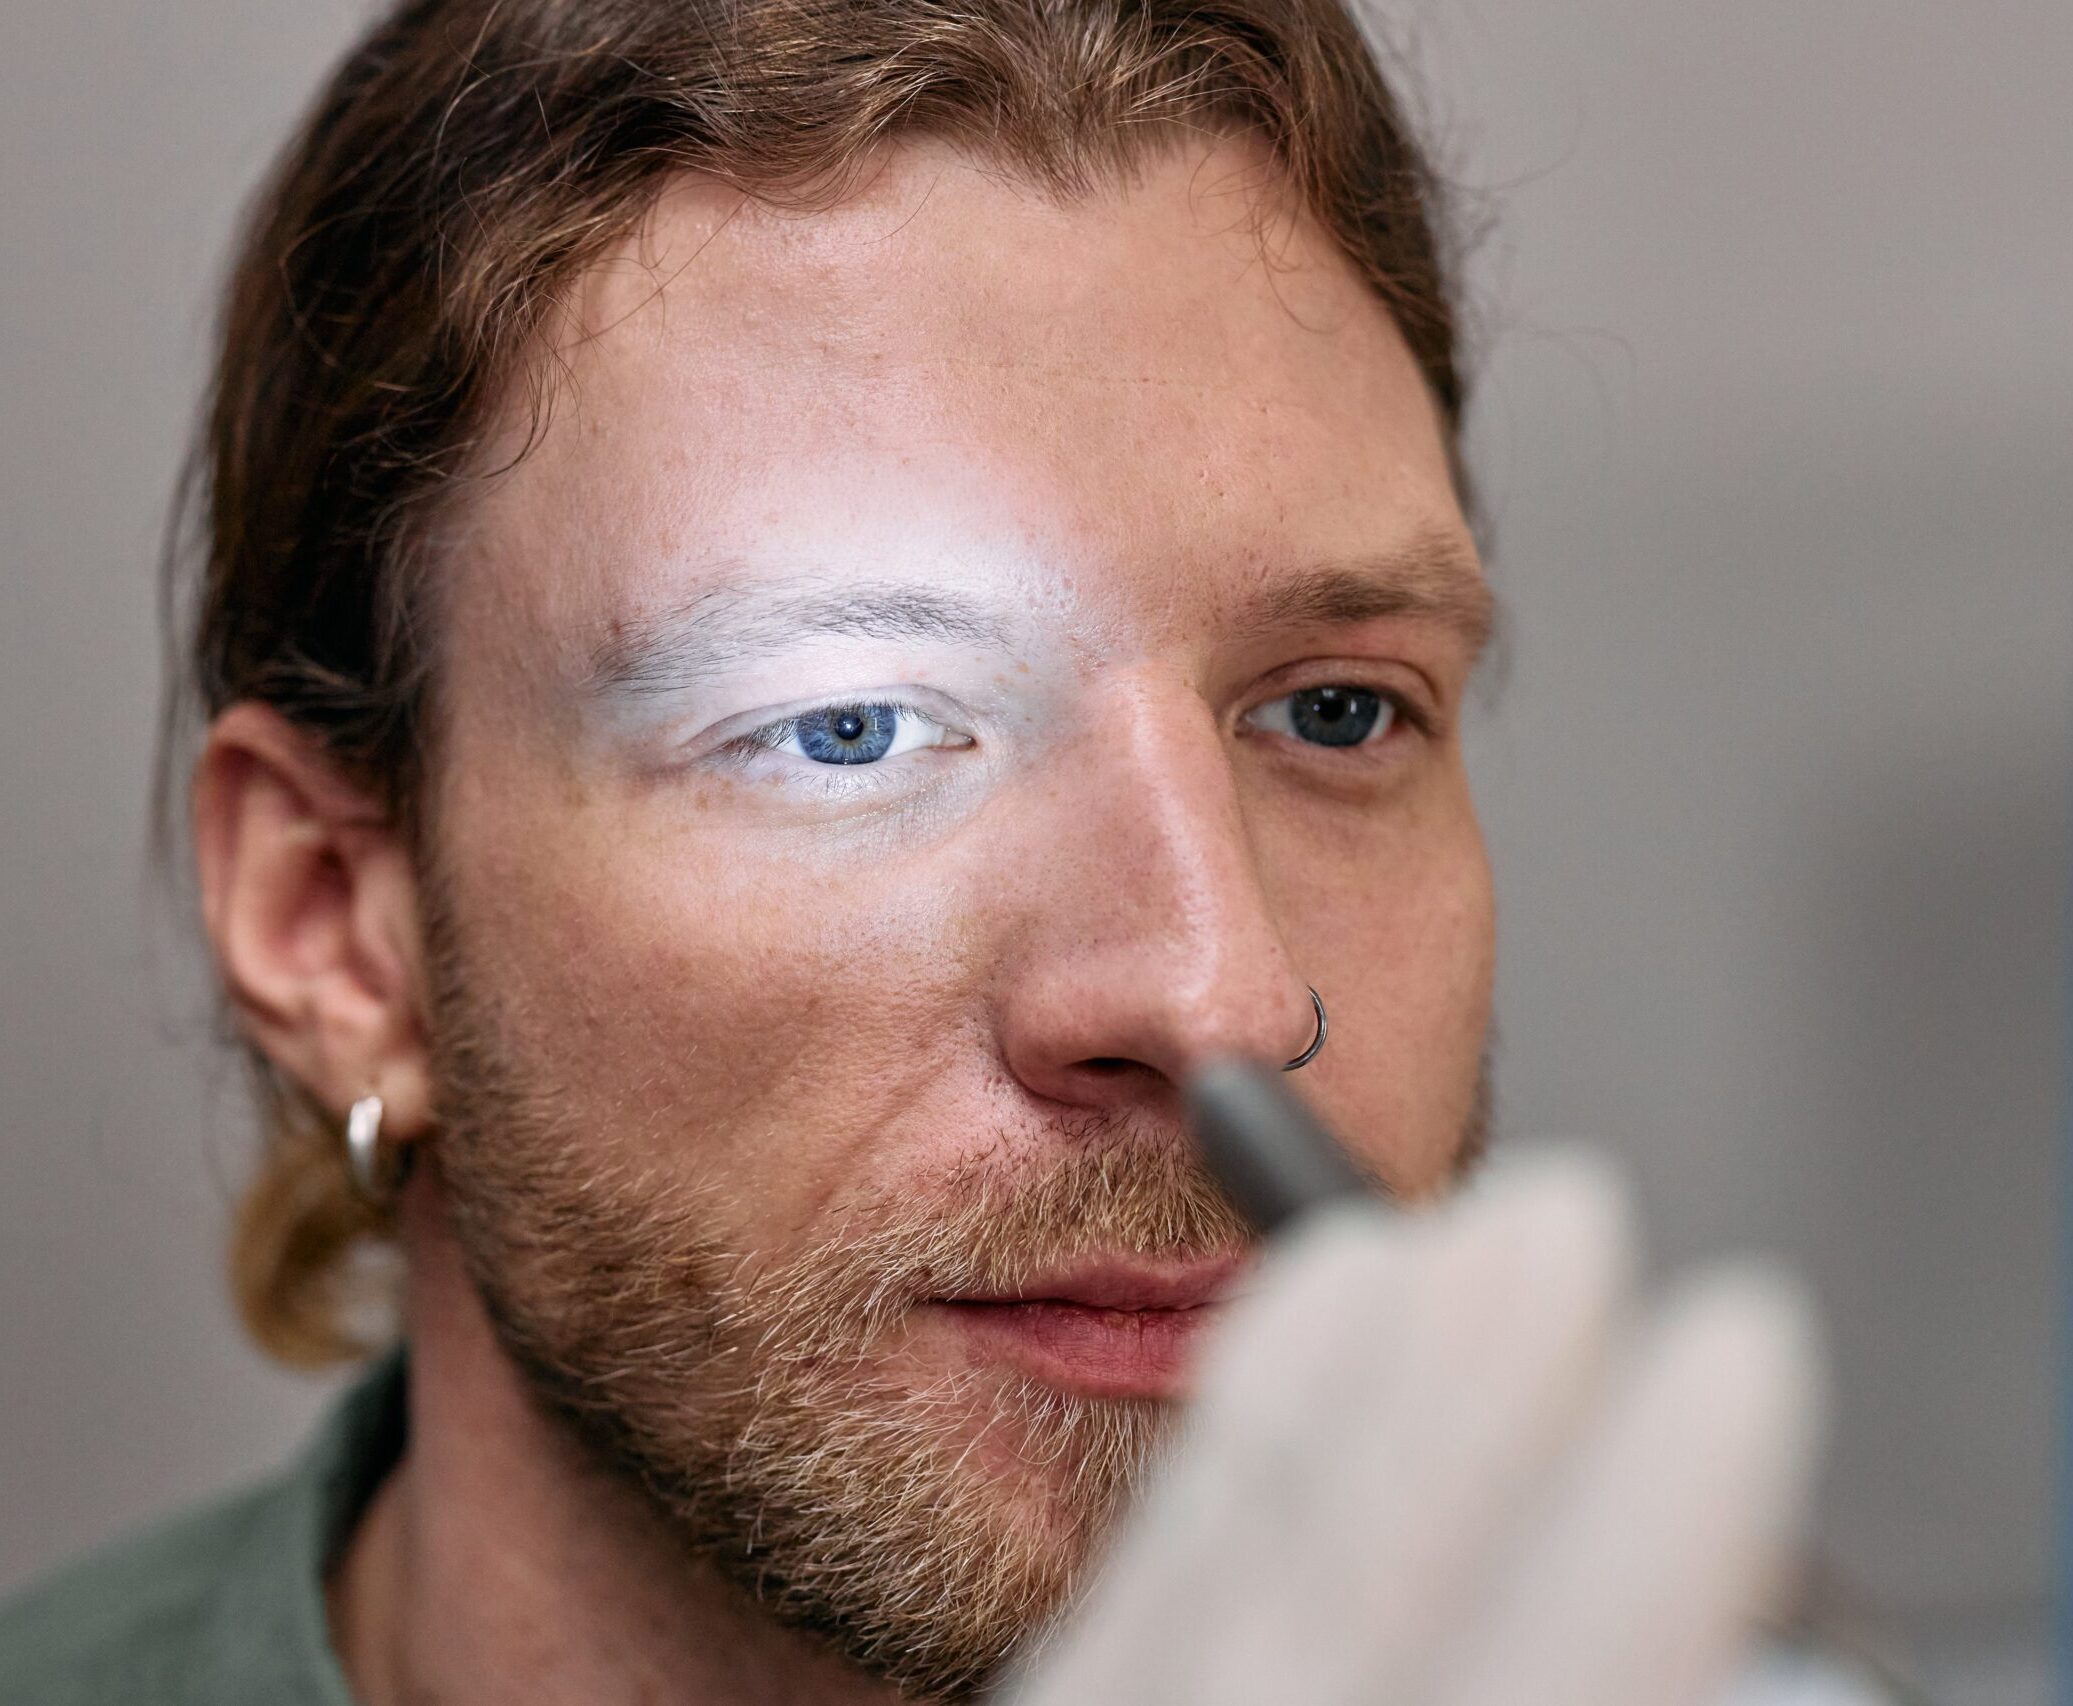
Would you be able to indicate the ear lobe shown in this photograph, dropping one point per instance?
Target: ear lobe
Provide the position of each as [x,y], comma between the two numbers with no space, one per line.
[310,903]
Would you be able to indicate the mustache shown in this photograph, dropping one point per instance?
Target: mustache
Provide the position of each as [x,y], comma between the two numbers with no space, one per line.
[992,1223]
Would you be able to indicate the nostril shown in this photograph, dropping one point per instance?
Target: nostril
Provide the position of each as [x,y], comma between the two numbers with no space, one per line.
[1108,1064]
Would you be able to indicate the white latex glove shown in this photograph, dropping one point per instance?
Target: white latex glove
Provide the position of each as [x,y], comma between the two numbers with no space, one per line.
[1440,1459]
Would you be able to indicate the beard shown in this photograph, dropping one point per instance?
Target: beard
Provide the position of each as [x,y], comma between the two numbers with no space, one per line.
[925,1524]
[922,1522]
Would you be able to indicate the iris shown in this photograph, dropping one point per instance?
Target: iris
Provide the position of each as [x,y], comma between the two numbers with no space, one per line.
[847,734]
[1334,716]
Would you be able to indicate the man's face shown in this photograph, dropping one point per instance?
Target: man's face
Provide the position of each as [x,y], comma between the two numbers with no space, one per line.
[951,663]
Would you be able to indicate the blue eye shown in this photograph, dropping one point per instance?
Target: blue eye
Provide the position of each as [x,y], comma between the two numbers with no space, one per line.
[1327,716]
[847,734]
[852,734]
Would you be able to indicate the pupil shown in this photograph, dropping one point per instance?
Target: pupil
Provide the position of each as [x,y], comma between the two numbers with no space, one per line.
[848,726]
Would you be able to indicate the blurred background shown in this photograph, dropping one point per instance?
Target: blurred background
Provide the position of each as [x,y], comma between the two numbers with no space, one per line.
[1776,389]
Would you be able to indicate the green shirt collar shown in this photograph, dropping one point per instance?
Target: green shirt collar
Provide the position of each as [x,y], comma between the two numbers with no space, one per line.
[265,1640]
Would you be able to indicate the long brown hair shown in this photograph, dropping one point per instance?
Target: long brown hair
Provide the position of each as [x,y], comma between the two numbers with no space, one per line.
[463,163]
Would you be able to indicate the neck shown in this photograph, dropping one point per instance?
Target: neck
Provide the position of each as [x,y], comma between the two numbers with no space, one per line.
[497,1563]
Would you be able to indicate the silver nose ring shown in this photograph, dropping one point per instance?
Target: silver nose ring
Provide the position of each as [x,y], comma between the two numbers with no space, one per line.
[1317,1042]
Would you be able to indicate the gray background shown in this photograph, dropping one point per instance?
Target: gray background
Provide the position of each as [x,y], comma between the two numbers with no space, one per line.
[1774,427]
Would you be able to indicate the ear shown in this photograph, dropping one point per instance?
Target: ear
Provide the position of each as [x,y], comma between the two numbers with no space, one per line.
[310,902]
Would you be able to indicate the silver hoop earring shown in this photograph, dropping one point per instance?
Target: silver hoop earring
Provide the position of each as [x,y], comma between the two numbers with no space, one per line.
[363,1149]
[1317,1042]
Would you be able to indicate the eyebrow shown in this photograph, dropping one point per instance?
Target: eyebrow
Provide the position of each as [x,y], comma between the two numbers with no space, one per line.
[1432,578]
[650,655]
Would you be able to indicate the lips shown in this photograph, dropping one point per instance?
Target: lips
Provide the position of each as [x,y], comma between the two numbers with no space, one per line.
[1103,1329]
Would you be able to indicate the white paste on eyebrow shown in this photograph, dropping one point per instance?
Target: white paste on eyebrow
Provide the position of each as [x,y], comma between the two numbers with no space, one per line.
[817,670]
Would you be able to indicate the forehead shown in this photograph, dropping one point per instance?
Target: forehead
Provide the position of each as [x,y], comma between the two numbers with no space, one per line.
[1177,382]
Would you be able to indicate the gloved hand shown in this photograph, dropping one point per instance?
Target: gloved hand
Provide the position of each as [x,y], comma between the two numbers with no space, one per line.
[1441,1458]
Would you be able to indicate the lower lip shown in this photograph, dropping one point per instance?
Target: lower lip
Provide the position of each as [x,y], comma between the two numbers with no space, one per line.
[1095,1353]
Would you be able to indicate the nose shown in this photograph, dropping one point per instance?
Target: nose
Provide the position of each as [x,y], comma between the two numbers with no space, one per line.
[1144,937]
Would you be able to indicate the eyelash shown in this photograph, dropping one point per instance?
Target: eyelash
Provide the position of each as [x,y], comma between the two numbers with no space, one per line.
[1406,713]
[771,737]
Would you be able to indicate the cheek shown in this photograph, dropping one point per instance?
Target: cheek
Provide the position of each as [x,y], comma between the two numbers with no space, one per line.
[1397,932]
[761,1024]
